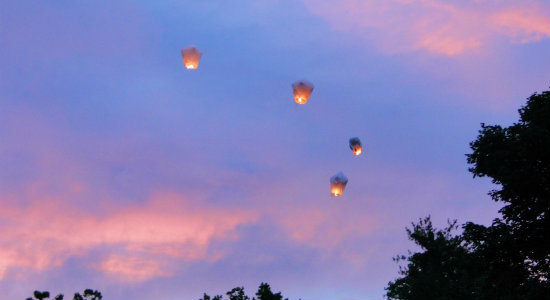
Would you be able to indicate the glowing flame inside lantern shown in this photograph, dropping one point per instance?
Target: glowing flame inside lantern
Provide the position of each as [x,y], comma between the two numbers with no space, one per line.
[338,184]
[336,191]
[302,91]
[355,146]
[191,57]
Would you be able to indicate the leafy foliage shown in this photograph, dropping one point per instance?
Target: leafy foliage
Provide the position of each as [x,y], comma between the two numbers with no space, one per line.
[518,159]
[237,294]
[509,259]
[442,271]
[88,294]
[481,263]
[42,295]
[264,293]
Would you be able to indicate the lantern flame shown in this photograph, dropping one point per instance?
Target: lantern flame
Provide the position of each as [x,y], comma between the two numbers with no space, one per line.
[355,146]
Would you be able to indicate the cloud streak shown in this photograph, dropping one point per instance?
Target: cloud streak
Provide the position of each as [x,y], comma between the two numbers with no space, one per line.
[438,27]
[47,232]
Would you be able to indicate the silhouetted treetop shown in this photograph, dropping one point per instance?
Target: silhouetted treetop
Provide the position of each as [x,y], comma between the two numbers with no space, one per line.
[518,159]
[264,293]
[88,294]
[509,259]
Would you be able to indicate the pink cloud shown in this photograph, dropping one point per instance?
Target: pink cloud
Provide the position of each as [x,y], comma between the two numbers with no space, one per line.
[528,24]
[435,26]
[325,227]
[46,232]
[336,231]
[132,269]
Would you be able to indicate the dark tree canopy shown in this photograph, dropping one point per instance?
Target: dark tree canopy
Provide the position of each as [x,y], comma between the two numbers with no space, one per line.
[518,159]
[41,295]
[88,294]
[207,297]
[504,273]
[237,294]
[442,271]
[481,263]
[264,293]
[509,259]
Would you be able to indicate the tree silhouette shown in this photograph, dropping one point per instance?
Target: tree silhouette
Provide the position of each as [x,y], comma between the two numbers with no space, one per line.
[510,258]
[518,159]
[264,293]
[88,294]
[207,297]
[38,295]
[237,294]
[442,271]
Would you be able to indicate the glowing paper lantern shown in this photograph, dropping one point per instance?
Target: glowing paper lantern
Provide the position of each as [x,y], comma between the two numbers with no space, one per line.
[191,57]
[338,184]
[355,146]
[302,91]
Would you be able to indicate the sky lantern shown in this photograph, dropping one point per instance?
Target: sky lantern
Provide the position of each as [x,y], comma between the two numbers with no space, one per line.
[302,90]
[355,146]
[191,57]
[338,184]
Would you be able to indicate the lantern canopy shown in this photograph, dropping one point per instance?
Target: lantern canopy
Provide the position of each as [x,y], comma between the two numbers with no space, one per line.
[302,91]
[338,184]
[191,57]
[355,146]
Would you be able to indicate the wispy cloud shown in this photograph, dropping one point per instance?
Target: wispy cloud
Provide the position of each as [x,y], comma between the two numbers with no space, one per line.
[132,269]
[439,27]
[46,232]
[325,227]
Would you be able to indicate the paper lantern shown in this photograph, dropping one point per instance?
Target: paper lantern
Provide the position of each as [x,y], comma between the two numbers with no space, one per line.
[191,57]
[338,184]
[355,146]
[302,91]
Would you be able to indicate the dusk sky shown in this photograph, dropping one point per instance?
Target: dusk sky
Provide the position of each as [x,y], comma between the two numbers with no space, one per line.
[122,171]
